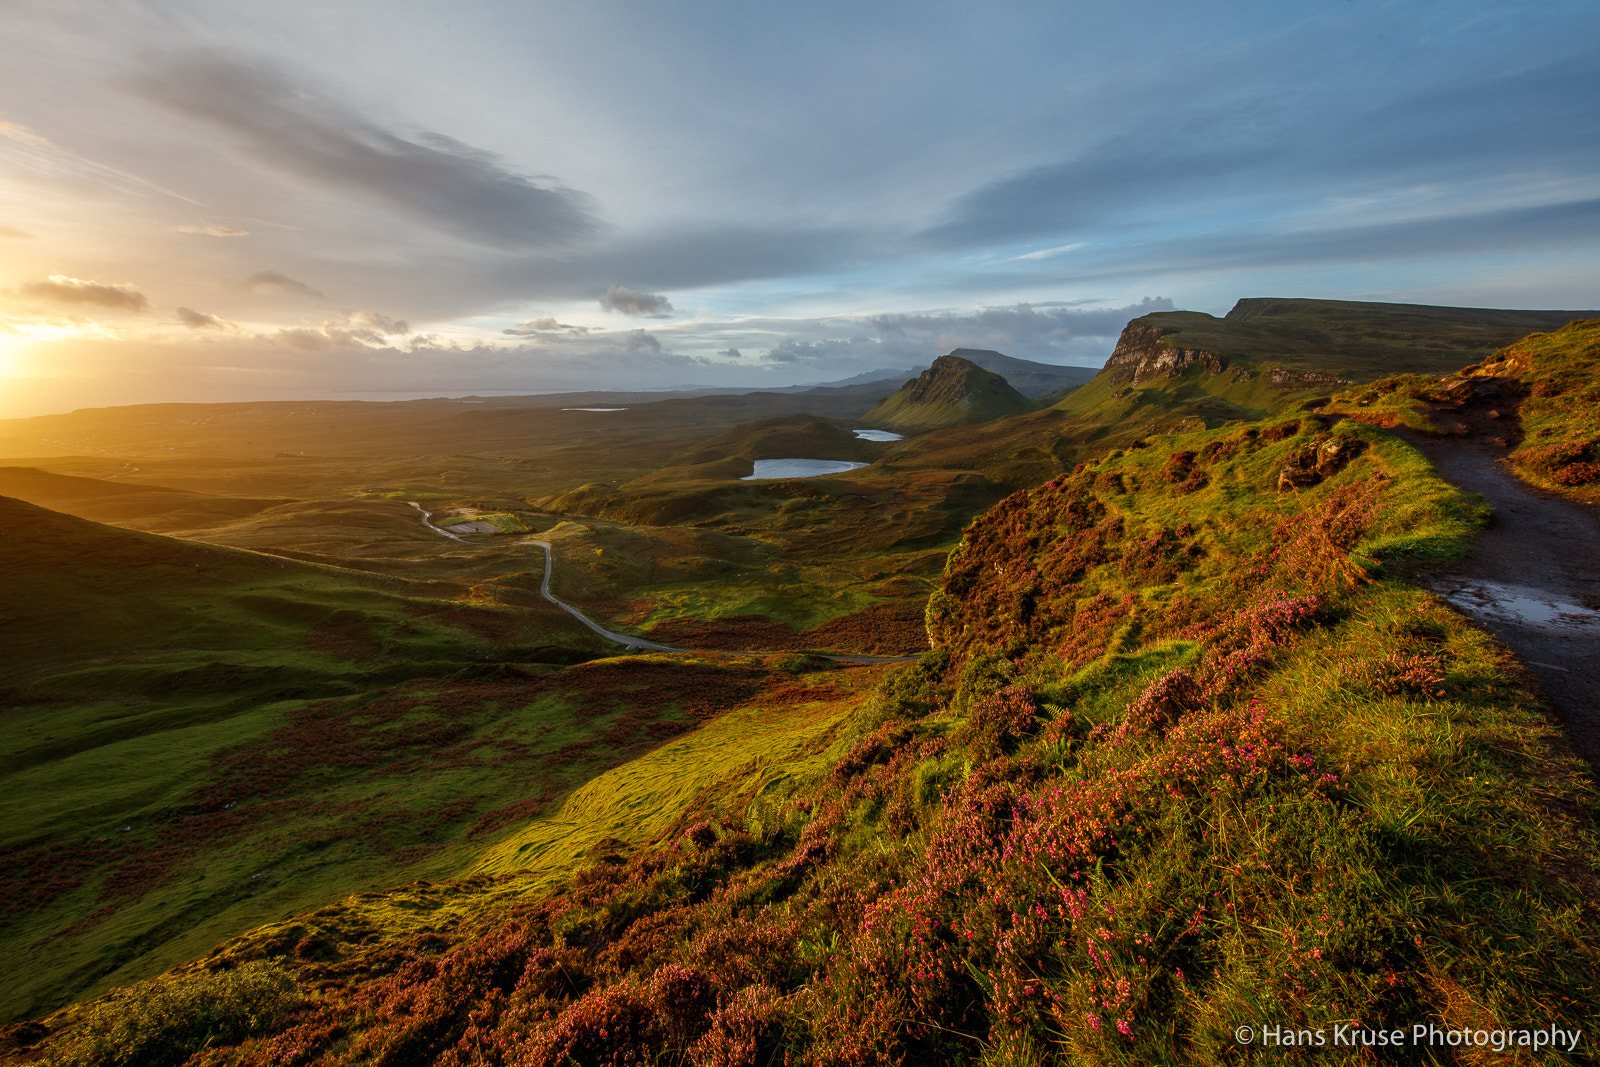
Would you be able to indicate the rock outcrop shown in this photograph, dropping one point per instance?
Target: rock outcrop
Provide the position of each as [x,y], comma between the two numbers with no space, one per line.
[1142,354]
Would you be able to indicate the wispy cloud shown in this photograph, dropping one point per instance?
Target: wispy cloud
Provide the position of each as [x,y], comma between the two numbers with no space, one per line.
[271,280]
[199,320]
[61,289]
[213,229]
[1046,253]
[276,124]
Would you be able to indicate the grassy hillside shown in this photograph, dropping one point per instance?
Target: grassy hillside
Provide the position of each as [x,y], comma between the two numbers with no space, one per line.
[201,739]
[1024,375]
[951,392]
[1357,339]
[1187,759]
[1560,418]
[1545,397]
[788,437]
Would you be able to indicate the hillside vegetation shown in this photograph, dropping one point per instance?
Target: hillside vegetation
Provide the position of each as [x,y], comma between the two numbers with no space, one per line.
[1356,339]
[951,392]
[1550,383]
[200,738]
[1186,758]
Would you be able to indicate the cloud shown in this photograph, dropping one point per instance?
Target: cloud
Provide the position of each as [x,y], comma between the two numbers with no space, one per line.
[731,353]
[1207,156]
[438,181]
[267,280]
[15,131]
[306,340]
[213,229]
[546,328]
[61,289]
[626,301]
[641,341]
[378,323]
[1018,329]
[199,320]
[14,234]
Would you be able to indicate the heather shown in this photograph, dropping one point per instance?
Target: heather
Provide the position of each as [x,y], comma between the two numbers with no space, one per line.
[1560,449]
[1189,754]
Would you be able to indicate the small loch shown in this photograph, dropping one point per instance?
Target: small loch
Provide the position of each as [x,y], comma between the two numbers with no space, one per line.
[798,468]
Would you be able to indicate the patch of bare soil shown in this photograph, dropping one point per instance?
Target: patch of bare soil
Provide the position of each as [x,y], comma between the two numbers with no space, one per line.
[1533,579]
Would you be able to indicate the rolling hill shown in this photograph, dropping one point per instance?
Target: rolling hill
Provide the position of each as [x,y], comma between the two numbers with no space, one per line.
[1191,750]
[951,392]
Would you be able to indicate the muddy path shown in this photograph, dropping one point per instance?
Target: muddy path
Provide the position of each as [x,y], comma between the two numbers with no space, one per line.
[1533,579]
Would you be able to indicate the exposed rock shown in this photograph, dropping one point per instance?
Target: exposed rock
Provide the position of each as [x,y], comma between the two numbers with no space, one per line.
[1335,453]
[1142,355]
[1300,378]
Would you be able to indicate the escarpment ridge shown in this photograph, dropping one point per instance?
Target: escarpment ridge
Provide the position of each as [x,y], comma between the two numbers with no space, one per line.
[1301,343]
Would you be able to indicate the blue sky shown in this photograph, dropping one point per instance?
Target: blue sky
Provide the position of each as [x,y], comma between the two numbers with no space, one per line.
[252,199]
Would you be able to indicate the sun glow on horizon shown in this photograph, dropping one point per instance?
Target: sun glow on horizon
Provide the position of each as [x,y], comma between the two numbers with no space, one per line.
[12,348]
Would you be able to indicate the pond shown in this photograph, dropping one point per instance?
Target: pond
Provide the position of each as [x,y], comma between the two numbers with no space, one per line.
[594,409]
[878,435]
[798,468]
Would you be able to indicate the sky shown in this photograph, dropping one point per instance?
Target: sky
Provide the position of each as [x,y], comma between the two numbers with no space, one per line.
[290,199]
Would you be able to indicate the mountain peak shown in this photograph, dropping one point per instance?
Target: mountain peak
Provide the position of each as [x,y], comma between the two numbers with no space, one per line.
[953,391]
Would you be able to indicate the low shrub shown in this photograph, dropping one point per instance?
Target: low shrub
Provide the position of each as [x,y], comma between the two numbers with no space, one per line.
[163,1022]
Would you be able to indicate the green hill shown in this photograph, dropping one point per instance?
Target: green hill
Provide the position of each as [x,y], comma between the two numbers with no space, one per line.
[201,739]
[1024,375]
[1189,757]
[1191,752]
[951,392]
[1333,338]
[788,437]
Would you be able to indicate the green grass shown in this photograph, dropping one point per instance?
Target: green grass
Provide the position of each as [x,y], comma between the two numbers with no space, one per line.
[1356,339]
[1560,450]
[952,392]
[1357,811]
[766,751]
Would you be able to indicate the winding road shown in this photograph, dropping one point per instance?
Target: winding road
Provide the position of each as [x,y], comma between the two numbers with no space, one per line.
[626,640]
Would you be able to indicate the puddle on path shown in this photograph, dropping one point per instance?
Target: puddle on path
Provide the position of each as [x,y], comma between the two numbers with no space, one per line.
[1520,604]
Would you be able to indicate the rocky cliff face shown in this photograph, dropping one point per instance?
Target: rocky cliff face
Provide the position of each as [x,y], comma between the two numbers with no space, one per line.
[1142,355]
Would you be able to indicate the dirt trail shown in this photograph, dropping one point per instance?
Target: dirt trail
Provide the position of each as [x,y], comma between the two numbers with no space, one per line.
[1533,579]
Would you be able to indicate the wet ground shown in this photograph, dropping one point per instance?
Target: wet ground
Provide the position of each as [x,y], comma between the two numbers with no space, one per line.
[1534,578]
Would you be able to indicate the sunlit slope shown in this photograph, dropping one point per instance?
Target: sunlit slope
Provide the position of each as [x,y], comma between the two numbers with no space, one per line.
[1191,756]
[152,507]
[1356,339]
[154,690]
[78,590]
[951,392]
